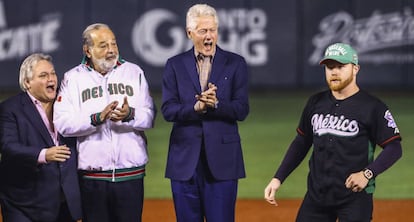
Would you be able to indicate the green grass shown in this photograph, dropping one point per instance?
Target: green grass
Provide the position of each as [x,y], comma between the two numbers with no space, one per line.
[267,133]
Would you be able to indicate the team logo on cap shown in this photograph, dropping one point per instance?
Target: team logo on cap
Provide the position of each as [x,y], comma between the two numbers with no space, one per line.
[335,50]
[342,53]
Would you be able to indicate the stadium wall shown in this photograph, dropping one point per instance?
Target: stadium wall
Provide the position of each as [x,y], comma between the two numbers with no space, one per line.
[282,41]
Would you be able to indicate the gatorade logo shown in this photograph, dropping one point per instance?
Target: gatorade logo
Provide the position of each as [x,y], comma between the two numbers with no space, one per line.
[241,30]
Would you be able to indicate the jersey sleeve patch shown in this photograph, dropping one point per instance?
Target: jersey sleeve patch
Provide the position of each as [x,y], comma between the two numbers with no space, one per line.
[391,122]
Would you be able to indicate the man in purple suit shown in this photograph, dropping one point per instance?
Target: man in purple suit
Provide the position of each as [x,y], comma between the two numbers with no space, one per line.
[205,94]
[38,166]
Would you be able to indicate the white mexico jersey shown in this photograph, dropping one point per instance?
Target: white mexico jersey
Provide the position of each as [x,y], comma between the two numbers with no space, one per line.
[111,145]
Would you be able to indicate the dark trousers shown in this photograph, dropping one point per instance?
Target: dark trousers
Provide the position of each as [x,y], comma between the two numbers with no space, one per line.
[104,201]
[12,213]
[203,197]
[359,208]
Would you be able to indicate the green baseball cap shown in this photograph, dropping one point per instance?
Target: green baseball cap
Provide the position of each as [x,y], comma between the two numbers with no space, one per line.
[340,52]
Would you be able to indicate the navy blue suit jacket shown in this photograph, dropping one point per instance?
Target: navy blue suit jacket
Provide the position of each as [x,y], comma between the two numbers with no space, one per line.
[217,128]
[34,188]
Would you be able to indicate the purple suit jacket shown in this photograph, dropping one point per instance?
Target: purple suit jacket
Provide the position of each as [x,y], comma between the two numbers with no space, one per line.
[34,188]
[217,128]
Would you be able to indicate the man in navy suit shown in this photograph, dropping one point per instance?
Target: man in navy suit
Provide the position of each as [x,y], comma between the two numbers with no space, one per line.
[38,167]
[205,93]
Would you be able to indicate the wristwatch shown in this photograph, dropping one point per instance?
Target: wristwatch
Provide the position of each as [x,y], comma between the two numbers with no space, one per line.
[368,174]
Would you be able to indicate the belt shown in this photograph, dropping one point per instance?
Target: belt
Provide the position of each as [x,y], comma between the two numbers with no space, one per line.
[115,175]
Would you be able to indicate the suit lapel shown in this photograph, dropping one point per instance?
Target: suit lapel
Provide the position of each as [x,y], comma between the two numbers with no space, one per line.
[191,67]
[217,67]
[33,116]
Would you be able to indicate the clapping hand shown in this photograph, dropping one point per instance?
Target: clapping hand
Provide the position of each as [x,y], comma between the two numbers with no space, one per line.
[120,113]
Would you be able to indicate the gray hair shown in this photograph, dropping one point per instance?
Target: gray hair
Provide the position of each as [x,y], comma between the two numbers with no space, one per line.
[26,69]
[86,36]
[197,11]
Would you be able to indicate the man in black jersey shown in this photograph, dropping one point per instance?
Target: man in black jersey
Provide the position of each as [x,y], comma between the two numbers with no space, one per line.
[343,124]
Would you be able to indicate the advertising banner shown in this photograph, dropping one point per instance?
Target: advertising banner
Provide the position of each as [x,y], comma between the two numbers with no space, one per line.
[282,41]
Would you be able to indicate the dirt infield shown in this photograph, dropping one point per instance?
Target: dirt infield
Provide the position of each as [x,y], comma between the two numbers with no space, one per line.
[259,211]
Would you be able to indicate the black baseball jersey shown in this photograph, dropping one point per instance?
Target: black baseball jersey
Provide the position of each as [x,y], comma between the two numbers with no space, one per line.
[344,134]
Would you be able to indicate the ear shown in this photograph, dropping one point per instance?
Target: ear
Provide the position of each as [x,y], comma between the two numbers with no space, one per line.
[356,69]
[27,84]
[188,33]
[86,51]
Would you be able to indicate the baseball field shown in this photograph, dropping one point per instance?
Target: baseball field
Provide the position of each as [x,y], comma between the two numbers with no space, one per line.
[266,134]
[252,210]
